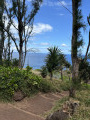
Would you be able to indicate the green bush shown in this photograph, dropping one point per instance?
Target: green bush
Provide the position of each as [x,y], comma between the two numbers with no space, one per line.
[46,86]
[6,63]
[14,79]
[15,62]
[65,85]
[44,71]
[28,69]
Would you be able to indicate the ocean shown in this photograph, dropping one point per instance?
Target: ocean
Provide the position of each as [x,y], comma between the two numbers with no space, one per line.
[37,60]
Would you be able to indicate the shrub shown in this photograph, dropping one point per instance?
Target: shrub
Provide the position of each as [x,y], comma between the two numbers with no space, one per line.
[28,69]
[65,85]
[15,62]
[6,63]
[14,79]
[46,86]
[44,71]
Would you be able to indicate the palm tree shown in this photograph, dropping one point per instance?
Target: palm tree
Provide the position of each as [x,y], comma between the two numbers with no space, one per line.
[63,63]
[52,60]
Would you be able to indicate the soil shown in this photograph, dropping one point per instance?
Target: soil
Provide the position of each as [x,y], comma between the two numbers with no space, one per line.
[30,108]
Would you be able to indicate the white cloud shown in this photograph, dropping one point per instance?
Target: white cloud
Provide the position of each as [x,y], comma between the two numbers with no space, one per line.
[37,28]
[41,27]
[61,14]
[64,3]
[51,3]
[64,45]
[44,44]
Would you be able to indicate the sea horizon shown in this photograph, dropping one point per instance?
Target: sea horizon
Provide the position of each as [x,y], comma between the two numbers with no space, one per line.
[37,60]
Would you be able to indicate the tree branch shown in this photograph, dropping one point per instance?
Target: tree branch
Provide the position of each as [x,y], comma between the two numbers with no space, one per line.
[14,40]
[87,47]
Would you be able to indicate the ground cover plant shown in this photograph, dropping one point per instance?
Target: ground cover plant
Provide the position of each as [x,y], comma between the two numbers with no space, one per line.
[15,79]
[83,111]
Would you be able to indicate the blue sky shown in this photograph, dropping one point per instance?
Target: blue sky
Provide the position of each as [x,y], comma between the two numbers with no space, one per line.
[53,26]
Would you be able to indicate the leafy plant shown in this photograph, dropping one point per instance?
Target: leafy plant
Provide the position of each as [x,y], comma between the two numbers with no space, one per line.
[52,60]
[44,71]
[28,69]
[14,79]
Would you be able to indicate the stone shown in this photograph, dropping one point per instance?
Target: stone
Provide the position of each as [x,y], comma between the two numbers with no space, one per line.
[18,96]
[66,112]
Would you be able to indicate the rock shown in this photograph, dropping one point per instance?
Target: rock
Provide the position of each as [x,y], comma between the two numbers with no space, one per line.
[66,112]
[18,96]
[58,115]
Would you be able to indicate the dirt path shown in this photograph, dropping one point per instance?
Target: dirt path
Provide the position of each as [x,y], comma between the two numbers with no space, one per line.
[29,108]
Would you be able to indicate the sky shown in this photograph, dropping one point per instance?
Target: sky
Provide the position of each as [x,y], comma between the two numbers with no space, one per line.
[53,26]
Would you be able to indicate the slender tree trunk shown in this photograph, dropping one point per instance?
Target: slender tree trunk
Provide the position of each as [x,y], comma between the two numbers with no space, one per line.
[87,47]
[20,27]
[75,62]
[1,30]
[8,50]
[51,75]
[61,75]
[1,45]
[75,70]
[20,56]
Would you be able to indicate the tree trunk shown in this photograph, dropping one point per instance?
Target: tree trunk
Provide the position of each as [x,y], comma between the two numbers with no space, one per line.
[72,92]
[20,57]
[1,30]
[61,75]
[51,75]
[75,62]
[87,47]
[75,70]
[1,45]
[8,50]
[20,28]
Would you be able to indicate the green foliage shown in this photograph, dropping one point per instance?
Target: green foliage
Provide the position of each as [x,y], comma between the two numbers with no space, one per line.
[44,71]
[15,62]
[63,63]
[65,85]
[56,60]
[13,79]
[82,112]
[77,25]
[5,63]
[28,69]
[46,86]
[84,70]
[52,58]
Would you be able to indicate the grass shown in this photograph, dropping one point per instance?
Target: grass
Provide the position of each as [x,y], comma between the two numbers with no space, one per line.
[82,95]
[57,85]
[83,111]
